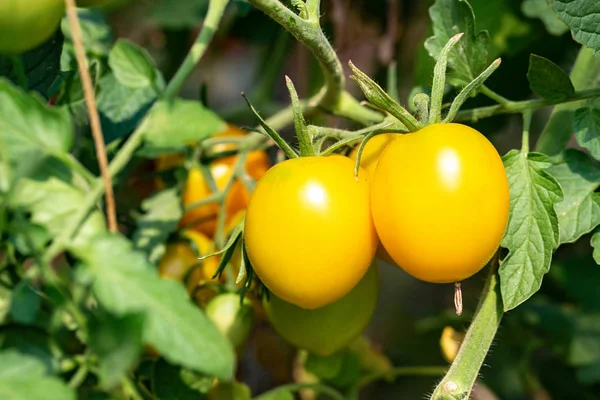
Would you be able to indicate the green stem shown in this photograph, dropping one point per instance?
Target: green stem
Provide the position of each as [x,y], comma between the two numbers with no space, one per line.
[79,376]
[463,372]
[17,63]
[559,128]
[130,389]
[313,8]
[394,373]
[493,95]
[216,8]
[309,33]
[294,387]
[515,107]
[526,126]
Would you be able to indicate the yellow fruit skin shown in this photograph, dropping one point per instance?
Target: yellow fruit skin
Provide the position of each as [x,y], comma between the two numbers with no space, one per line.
[26,24]
[328,329]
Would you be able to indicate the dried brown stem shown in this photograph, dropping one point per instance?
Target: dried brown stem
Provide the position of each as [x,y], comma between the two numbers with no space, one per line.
[90,100]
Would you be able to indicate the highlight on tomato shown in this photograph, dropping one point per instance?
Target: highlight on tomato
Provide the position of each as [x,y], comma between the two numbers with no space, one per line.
[26,24]
[440,202]
[308,230]
[327,329]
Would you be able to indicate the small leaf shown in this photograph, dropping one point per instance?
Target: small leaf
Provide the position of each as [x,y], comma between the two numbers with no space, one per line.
[583,18]
[548,79]
[53,204]
[126,283]
[29,130]
[173,125]
[229,390]
[532,233]
[541,9]
[121,108]
[162,212]
[469,57]
[25,303]
[118,342]
[579,178]
[132,65]
[586,124]
[24,377]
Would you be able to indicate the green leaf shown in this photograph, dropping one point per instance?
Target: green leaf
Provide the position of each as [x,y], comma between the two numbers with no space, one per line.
[584,348]
[41,65]
[277,395]
[541,9]
[548,79]
[532,233]
[162,212]
[30,130]
[96,33]
[229,390]
[586,124]
[53,202]
[121,107]
[132,65]
[469,57]
[168,383]
[24,378]
[579,178]
[583,18]
[126,283]
[31,341]
[118,342]
[25,303]
[173,125]
[595,242]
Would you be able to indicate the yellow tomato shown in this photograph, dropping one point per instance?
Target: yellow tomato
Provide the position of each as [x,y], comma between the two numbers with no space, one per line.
[181,256]
[368,161]
[308,230]
[440,202]
[328,329]
[26,24]
[197,188]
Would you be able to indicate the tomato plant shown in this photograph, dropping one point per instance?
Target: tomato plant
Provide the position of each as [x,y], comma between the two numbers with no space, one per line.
[163,237]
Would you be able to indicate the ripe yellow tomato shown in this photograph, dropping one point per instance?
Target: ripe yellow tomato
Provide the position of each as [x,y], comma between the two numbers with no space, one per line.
[309,232]
[368,161]
[328,329]
[197,188]
[440,202]
[181,256]
[25,24]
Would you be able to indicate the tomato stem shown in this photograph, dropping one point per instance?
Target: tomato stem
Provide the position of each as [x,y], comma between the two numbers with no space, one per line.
[421,101]
[216,8]
[493,95]
[526,125]
[439,80]
[463,372]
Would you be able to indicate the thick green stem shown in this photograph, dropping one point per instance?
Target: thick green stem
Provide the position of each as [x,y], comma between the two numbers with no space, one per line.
[461,376]
[526,125]
[215,12]
[309,33]
[515,107]
[493,95]
[559,128]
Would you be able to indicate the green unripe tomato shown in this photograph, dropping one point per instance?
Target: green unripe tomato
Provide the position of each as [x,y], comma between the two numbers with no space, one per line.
[92,3]
[328,329]
[25,24]
[234,320]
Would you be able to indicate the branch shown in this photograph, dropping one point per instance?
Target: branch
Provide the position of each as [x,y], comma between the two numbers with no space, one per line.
[215,12]
[90,100]
[459,380]
[517,107]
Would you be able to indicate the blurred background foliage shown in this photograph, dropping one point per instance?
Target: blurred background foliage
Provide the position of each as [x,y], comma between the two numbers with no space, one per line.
[548,348]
